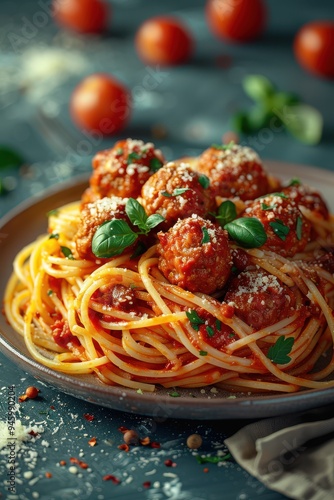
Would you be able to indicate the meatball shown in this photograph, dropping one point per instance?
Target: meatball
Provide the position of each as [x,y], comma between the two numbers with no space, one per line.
[234,171]
[91,217]
[260,299]
[195,255]
[307,197]
[288,231]
[122,170]
[177,192]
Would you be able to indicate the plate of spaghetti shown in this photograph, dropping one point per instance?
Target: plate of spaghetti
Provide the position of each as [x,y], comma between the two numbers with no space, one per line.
[195,288]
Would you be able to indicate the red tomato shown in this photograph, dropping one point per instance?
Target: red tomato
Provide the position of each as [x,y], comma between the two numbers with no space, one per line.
[163,40]
[100,103]
[84,16]
[236,20]
[314,47]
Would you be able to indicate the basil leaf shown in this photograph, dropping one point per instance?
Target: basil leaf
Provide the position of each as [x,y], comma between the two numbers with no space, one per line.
[9,158]
[223,147]
[258,87]
[204,181]
[280,229]
[111,238]
[210,331]
[206,236]
[264,206]
[299,226]
[133,156]
[136,213]
[155,164]
[153,220]
[227,212]
[176,192]
[139,250]
[194,319]
[247,231]
[294,182]
[305,123]
[213,460]
[278,353]
[67,252]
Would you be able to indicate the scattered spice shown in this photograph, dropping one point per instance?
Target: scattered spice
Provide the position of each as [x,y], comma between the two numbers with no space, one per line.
[131,437]
[62,463]
[111,477]
[88,417]
[124,447]
[82,465]
[48,475]
[145,441]
[205,469]
[147,484]
[30,393]
[169,463]
[92,441]
[194,441]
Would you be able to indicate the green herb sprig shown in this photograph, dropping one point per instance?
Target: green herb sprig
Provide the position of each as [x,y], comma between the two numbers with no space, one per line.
[278,353]
[282,110]
[113,237]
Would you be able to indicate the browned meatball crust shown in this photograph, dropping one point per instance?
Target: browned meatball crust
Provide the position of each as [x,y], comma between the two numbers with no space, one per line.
[260,299]
[122,170]
[91,217]
[234,171]
[288,231]
[177,192]
[195,255]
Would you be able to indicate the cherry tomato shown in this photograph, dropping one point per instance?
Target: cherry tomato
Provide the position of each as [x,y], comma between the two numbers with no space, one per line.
[84,16]
[163,40]
[236,20]
[314,47]
[100,103]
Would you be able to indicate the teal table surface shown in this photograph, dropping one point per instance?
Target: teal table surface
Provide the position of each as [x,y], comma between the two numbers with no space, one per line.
[73,451]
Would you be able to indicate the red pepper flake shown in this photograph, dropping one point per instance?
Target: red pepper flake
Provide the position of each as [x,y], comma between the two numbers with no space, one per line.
[48,475]
[33,433]
[52,407]
[155,444]
[124,447]
[205,469]
[111,477]
[92,441]
[145,441]
[168,462]
[81,464]
[22,398]
[123,429]
[62,463]
[89,417]
[147,484]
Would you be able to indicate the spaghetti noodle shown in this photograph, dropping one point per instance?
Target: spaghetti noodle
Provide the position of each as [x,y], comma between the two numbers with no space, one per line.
[139,321]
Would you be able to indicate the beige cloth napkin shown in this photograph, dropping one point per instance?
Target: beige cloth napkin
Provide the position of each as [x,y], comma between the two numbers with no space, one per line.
[292,454]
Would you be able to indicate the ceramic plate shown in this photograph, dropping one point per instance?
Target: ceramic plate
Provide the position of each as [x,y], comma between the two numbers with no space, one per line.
[27,221]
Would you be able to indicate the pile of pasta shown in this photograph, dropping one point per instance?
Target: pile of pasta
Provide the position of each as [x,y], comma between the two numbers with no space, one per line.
[242,317]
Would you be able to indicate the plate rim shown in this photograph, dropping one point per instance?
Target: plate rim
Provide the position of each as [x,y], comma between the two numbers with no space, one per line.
[125,399]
